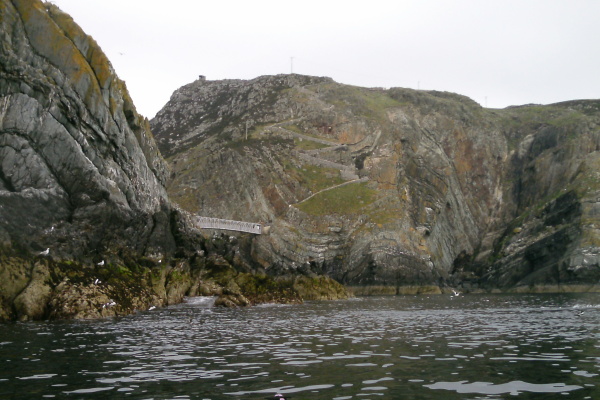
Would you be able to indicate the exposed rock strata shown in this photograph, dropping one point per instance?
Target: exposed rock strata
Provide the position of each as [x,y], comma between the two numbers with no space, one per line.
[77,159]
[451,194]
[45,288]
[82,195]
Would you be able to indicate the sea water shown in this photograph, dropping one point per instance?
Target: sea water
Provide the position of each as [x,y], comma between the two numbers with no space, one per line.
[401,347]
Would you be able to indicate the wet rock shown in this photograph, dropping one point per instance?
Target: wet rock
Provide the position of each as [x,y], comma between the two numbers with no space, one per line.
[31,303]
[232,301]
[80,173]
[87,229]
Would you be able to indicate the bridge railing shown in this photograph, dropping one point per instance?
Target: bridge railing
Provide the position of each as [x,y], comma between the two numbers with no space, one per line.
[229,225]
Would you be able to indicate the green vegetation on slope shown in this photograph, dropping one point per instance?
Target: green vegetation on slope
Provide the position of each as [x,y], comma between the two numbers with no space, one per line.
[308,144]
[534,116]
[347,199]
[240,145]
[315,178]
[361,101]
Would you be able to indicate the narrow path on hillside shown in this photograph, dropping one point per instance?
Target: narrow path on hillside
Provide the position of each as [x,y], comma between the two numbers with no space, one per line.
[347,172]
[365,179]
[311,156]
[307,137]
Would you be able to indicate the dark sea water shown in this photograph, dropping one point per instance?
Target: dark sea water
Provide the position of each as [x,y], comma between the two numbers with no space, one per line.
[405,347]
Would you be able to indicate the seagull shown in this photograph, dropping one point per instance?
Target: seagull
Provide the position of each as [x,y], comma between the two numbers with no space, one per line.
[45,252]
[101,263]
[97,281]
[108,305]
[151,308]
[455,293]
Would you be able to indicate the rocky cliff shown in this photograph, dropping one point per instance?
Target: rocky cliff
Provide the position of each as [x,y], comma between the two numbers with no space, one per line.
[74,151]
[81,178]
[395,191]
[86,225]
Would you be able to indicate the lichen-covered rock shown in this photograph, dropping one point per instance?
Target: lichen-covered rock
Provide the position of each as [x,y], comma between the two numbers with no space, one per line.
[77,161]
[86,227]
[31,303]
[232,300]
[443,183]
[81,178]
[50,289]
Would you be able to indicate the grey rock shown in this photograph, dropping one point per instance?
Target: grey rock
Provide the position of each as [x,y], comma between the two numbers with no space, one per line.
[80,173]
[82,185]
[74,154]
[444,182]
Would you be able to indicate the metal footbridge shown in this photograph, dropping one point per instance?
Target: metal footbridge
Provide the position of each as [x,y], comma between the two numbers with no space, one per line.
[229,225]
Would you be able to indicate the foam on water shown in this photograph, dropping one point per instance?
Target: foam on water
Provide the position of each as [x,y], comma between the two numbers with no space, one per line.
[392,347]
[200,301]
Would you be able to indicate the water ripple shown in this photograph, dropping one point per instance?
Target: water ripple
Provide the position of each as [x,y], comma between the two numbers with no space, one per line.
[513,388]
[395,347]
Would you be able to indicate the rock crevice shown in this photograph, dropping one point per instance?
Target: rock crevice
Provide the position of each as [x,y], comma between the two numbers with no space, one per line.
[443,180]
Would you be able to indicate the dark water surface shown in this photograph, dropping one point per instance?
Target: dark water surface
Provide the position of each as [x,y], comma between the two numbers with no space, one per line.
[436,347]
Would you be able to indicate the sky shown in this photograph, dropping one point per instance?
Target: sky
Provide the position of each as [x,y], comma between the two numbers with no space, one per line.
[497,52]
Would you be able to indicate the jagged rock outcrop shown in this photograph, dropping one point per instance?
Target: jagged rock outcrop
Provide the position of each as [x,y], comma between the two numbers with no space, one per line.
[86,226]
[444,192]
[77,159]
[80,173]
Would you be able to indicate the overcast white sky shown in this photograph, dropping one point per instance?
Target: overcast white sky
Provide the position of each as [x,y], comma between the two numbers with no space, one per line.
[497,52]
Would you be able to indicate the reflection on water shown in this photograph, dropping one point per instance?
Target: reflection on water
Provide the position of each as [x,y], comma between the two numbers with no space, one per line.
[436,347]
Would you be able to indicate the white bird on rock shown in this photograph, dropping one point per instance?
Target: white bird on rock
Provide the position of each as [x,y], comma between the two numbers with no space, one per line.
[109,304]
[101,263]
[45,252]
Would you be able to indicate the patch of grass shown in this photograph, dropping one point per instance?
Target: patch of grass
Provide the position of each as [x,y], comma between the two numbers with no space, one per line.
[521,121]
[294,128]
[570,119]
[308,144]
[316,178]
[382,216]
[559,117]
[256,130]
[240,144]
[187,199]
[379,102]
[368,103]
[348,199]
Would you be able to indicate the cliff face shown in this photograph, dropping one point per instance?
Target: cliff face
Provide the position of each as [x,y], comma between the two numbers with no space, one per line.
[86,227]
[80,173]
[387,190]
[392,190]
[74,150]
